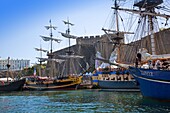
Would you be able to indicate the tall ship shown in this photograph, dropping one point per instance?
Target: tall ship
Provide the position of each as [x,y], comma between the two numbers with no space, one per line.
[108,76]
[152,59]
[53,81]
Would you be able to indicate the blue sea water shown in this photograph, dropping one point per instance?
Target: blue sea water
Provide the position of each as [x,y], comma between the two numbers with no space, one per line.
[82,101]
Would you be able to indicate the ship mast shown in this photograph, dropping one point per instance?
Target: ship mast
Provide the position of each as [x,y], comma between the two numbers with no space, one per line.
[51,38]
[45,38]
[117,19]
[69,52]
[152,32]
[51,33]
[68,33]
[8,66]
[149,11]
[40,59]
[116,40]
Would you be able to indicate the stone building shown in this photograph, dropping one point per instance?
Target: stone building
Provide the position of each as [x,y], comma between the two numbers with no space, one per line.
[15,64]
[87,46]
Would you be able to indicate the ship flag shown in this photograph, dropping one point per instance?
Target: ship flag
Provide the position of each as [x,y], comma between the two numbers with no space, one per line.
[34,71]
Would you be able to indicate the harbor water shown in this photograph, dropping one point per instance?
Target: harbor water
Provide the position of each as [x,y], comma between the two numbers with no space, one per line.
[82,101]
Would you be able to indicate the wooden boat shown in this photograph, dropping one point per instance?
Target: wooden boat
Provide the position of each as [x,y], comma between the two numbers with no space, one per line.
[62,80]
[12,86]
[36,83]
[8,84]
[116,77]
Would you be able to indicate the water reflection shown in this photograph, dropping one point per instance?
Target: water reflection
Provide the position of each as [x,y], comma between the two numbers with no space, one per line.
[78,101]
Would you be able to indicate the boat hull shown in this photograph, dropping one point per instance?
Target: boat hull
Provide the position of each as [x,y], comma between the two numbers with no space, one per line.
[119,79]
[50,87]
[153,83]
[69,84]
[13,86]
[117,84]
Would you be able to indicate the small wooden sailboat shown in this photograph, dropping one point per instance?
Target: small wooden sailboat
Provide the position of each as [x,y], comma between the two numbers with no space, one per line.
[7,85]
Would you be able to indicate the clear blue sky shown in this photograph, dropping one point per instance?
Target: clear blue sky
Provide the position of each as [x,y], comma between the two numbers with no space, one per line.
[22,21]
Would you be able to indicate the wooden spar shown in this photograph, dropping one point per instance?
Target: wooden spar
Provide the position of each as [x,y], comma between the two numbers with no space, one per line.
[114,31]
[143,12]
[117,19]
[152,39]
[117,40]
[69,51]
[151,14]
[67,31]
[40,59]
[50,38]
[8,66]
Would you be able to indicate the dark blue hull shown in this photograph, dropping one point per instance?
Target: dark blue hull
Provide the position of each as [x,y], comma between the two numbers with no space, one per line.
[153,83]
[119,79]
[117,84]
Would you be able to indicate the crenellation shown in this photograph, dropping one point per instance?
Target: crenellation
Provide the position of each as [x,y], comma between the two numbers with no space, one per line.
[86,37]
[98,36]
[88,40]
[91,37]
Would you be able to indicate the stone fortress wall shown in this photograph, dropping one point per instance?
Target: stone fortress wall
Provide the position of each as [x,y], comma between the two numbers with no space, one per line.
[87,46]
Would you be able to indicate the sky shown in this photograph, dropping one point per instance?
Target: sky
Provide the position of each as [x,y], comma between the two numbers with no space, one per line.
[22,22]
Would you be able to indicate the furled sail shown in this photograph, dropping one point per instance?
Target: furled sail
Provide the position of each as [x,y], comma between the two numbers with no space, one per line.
[46,38]
[70,56]
[46,59]
[48,27]
[43,50]
[68,35]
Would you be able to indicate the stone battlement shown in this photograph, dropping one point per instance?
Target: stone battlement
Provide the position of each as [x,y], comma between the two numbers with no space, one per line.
[88,40]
